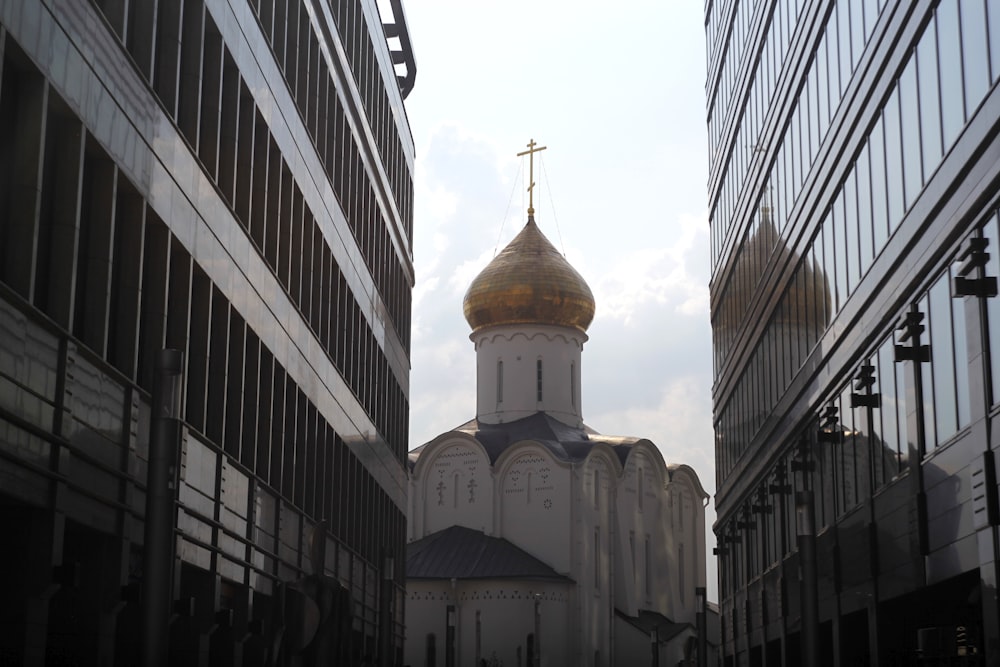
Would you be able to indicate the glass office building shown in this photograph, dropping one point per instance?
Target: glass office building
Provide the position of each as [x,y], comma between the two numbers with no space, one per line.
[231,179]
[855,246]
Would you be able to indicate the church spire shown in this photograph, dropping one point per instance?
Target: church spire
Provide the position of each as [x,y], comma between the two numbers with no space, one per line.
[531,174]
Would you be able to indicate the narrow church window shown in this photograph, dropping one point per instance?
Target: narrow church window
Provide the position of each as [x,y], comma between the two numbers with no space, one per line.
[572,383]
[639,489]
[538,373]
[597,489]
[529,488]
[631,548]
[454,502]
[680,572]
[500,382]
[597,558]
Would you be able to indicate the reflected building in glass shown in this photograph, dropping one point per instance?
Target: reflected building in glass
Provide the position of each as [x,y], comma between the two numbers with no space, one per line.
[855,246]
[231,179]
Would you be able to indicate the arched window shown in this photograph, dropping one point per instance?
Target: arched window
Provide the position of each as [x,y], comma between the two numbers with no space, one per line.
[500,381]
[572,383]
[597,489]
[538,374]
[639,490]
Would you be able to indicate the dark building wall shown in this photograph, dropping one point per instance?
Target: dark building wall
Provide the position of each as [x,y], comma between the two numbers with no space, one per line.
[231,179]
[854,177]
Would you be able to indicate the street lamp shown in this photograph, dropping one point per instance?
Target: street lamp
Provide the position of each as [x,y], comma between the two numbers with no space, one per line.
[700,607]
[805,531]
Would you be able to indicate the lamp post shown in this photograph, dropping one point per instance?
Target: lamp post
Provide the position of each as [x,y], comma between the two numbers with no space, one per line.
[161,495]
[805,531]
[449,646]
[537,658]
[701,623]
[385,612]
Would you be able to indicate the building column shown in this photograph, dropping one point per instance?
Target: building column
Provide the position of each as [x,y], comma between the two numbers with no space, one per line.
[43,549]
[974,287]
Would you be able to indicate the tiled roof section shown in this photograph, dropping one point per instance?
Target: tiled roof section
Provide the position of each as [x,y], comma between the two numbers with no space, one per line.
[462,553]
[565,442]
[646,621]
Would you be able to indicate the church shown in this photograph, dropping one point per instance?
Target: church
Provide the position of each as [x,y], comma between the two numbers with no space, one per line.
[533,540]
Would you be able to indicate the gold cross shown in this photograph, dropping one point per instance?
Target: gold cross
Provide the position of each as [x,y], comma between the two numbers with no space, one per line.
[531,172]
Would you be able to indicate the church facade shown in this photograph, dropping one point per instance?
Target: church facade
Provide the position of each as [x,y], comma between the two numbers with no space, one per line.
[534,540]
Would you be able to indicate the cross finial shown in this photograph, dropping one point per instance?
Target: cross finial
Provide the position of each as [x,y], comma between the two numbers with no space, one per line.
[531,173]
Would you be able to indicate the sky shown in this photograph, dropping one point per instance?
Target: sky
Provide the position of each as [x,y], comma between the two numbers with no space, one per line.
[617,97]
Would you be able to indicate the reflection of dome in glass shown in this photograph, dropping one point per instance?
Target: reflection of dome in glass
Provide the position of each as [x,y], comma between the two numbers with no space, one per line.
[529,282]
[810,290]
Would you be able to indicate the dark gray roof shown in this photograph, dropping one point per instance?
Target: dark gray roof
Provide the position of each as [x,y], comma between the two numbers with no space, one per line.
[565,442]
[647,620]
[462,553]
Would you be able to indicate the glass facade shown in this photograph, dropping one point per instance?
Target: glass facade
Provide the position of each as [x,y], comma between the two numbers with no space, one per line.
[852,190]
[232,180]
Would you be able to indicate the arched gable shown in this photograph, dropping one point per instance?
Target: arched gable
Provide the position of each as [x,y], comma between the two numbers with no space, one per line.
[533,501]
[453,482]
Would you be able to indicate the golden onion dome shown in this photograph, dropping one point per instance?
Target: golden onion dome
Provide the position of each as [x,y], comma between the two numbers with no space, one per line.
[529,282]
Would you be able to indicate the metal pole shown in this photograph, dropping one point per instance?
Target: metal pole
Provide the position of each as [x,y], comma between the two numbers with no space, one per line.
[806,529]
[701,621]
[158,549]
[479,638]
[449,647]
[538,629]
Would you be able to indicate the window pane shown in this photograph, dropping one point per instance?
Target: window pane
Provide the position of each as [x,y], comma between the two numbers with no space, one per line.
[910,125]
[844,39]
[930,110]
[851,228]
[950,66]
[830,263]
[833,65]
[889,456]
[894,160]
[864,210]
[975,59]
[943,359]
[991,232]
[961,361]
[927,387]
[840,238]
[993,12]
[876,153]
[822,88]
[857,30]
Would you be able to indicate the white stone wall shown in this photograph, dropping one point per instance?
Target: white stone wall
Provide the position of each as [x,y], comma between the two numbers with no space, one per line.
[519,349]
[506,615]
[455,488]
[534,496]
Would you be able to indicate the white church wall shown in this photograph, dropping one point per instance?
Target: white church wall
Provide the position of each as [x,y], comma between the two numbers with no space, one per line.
[507,360]
[456,488]
[534,492]
[687,525]
[506,616]
[594,552]
[644,538]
